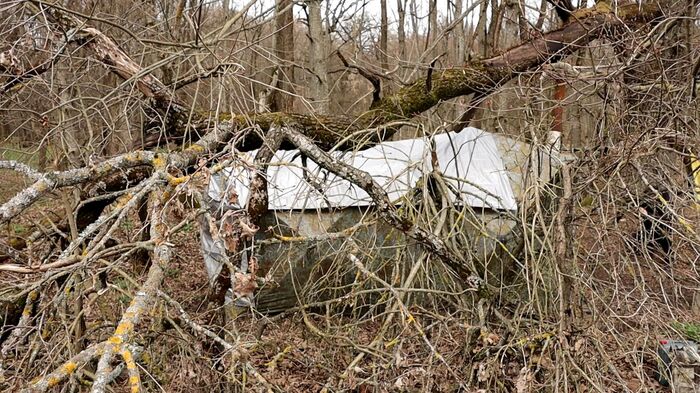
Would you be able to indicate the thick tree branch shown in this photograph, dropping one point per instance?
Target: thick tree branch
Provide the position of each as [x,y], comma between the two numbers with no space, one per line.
[482,77]
[159,97]
[370,76]
[140,304]
[52,180]
[52,379]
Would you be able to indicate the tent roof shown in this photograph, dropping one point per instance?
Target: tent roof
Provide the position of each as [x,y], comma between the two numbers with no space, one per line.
[470,161]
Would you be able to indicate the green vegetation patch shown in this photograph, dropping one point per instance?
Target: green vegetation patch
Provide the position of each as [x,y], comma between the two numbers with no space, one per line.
[689,330]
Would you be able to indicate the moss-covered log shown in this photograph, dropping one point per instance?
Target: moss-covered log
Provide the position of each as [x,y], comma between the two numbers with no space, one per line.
[172,119]
[480,76]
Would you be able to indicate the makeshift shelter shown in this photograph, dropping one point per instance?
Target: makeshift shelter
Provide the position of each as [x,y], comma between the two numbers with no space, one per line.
[317,218]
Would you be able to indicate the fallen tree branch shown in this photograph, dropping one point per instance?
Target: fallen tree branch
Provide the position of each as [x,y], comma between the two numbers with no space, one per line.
[160,98]
[49,181]
[480,76]
[140,304]
[15,268]
[24,324]
[66,370]
[19,167]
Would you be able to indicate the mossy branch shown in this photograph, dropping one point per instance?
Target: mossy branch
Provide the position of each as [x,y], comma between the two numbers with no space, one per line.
[480,76]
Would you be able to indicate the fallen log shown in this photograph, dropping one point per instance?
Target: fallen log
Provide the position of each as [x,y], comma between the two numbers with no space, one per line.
[480,77]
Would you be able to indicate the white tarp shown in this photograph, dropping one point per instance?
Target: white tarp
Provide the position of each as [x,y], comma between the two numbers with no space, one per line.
[470,161]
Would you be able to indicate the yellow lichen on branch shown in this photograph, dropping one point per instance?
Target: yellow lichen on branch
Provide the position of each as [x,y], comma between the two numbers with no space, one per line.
[141,303]
[134,378]
[176,181]
[64,371]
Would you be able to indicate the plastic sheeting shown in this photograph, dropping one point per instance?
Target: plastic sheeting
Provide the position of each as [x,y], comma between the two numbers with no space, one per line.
[469,160]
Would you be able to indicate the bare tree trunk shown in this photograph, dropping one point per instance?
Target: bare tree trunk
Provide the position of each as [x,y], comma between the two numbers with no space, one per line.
[459,37]
[523,25]
[317,58]
[481,30]
[457,55]
[497,10]
[179,33]
[383,39]
[543,15]
[432,27]
[414,24]
[401,28]
[68,134]
[284,50]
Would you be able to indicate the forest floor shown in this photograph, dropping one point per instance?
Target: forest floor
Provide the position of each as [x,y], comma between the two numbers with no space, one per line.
[305,351]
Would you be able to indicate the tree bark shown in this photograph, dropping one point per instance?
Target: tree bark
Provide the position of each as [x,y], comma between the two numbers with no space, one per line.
[481,29]
[459,36]
[432,27]
[495,27]
[414,23]
[401,28]
[284,50]
[317,58]
[384,37]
